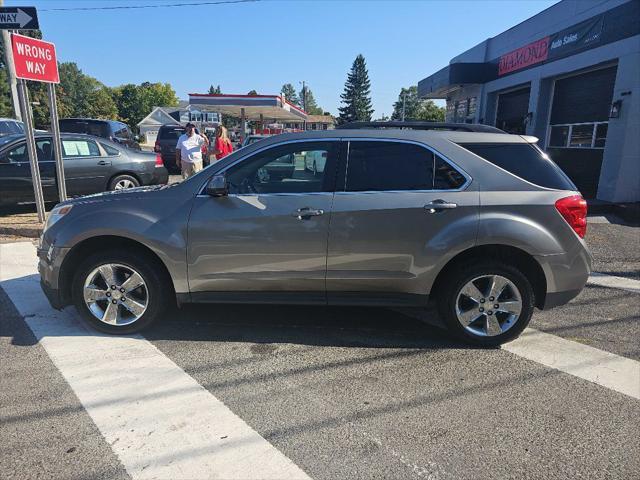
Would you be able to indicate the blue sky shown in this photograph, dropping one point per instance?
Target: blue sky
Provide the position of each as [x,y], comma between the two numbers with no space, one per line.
[264,44]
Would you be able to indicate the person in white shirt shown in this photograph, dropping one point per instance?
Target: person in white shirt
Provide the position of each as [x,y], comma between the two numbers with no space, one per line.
[189,151]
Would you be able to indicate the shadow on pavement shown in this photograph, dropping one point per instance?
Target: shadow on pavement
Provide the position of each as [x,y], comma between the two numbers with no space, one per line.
[303,325]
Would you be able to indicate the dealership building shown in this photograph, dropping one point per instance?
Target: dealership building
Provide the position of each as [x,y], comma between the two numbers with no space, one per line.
[570,76]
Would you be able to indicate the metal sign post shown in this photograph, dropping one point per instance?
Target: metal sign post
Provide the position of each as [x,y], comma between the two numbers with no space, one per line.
[31,148]
[36,60]
[57,144]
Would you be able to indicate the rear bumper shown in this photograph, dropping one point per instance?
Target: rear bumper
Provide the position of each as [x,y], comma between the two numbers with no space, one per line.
[566,274]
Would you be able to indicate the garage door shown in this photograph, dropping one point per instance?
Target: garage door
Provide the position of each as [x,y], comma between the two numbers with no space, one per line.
[577,132]
[512,110]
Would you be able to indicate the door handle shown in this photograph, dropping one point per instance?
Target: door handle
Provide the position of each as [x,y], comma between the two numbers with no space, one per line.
[305,213]
[104,162]
[438,205]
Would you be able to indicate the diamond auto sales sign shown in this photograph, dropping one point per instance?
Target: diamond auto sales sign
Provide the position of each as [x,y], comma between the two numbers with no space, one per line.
[34,59]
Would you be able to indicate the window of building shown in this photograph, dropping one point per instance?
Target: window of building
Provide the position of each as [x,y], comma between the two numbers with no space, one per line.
[578,135]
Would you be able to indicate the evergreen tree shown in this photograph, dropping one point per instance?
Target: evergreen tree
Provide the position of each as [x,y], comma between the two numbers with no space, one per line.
[357,94]
[214,90]
[288,92]
[416,108]
[308,101]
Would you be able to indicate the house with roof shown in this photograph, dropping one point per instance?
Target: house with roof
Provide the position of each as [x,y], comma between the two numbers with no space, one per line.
[181,114]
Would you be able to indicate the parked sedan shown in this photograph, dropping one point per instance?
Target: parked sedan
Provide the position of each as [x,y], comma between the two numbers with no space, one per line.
[91,165]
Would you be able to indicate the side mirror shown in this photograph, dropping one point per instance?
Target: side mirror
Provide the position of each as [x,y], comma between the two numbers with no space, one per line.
[217,186]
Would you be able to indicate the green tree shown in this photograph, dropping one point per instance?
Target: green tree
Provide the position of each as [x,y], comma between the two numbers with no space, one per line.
[289,92]
[252,93]
[308,101]
[357,94]
[416,108]
[214,90]
[81,95]
[134,102]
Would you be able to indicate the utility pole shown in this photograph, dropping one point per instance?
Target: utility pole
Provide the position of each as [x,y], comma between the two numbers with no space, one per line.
[404,101]
[11,73]
[304,103]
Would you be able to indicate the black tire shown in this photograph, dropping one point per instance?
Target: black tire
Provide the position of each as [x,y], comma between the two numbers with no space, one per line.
[156,283]
[123,178]
[455,280]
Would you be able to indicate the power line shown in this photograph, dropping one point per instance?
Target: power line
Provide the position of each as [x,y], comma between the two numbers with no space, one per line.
[129,7]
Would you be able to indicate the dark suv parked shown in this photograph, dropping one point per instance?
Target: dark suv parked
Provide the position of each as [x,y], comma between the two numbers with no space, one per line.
[166,146]
[115,131]
[481,222]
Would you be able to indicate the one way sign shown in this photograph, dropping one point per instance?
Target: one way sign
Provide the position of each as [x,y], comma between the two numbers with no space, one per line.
[18,18]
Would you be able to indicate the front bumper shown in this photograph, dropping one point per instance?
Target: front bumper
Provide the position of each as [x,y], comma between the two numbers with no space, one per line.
[49,265]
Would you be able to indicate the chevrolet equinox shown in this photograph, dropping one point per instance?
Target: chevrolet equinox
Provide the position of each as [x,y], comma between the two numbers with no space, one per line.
[481,222]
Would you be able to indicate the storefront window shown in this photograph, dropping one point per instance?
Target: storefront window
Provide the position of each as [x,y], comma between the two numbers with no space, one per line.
[581,136]
[578,135]
[601,135]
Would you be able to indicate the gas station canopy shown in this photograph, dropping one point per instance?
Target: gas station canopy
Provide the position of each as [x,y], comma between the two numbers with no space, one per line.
[249,107]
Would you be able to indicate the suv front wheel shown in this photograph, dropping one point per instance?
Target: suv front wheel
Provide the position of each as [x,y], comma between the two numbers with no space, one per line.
[486,304]
[119,292]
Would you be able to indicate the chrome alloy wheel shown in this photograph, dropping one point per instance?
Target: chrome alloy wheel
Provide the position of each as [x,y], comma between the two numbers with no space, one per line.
[488,305]
[115,294]
[124,184]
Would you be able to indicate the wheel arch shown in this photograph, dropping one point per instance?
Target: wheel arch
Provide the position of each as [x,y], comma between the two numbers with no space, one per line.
[101,243]
[124,172]
[517,257]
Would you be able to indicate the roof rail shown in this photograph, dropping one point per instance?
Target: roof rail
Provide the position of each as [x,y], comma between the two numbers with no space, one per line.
[460,127]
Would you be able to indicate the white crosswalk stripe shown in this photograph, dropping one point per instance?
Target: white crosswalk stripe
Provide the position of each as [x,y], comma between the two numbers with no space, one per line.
[158,420]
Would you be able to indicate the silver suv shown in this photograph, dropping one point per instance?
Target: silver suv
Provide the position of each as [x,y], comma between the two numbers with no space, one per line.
[481,222]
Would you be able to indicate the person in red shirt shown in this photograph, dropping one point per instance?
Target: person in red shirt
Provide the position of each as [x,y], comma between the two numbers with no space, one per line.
[222,145]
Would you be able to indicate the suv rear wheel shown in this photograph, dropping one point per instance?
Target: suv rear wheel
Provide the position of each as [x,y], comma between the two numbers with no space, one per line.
[487,303]
[119,292]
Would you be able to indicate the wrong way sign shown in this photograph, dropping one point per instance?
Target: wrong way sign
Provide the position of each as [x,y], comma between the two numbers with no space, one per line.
[34,59]
[19,18]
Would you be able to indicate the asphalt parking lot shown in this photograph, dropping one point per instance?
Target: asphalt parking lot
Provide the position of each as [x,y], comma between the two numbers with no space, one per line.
[237,391]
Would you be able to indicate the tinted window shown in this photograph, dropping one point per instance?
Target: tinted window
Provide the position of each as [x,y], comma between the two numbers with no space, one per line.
[98,129]
[525,161]
[80,148]
[446,177]
[17,154]
[294,168]
[44,148]
[172,133]
[380,166]
[109,149]
[8,128]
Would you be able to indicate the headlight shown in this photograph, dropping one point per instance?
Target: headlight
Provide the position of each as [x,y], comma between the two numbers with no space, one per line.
[56,214]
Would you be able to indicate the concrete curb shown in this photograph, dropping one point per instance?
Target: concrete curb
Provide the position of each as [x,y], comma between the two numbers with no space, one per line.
[29,232]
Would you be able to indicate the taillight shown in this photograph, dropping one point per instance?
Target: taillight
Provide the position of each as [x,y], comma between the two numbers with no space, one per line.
[574,210]
[157,147]
[159,162]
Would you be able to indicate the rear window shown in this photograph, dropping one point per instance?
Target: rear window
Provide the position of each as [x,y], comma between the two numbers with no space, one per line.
[98,129]
[9,128]
[170,133]
[525,161]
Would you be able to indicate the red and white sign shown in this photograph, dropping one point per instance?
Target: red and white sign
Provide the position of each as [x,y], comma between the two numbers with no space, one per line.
[531,54]
[34,59]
